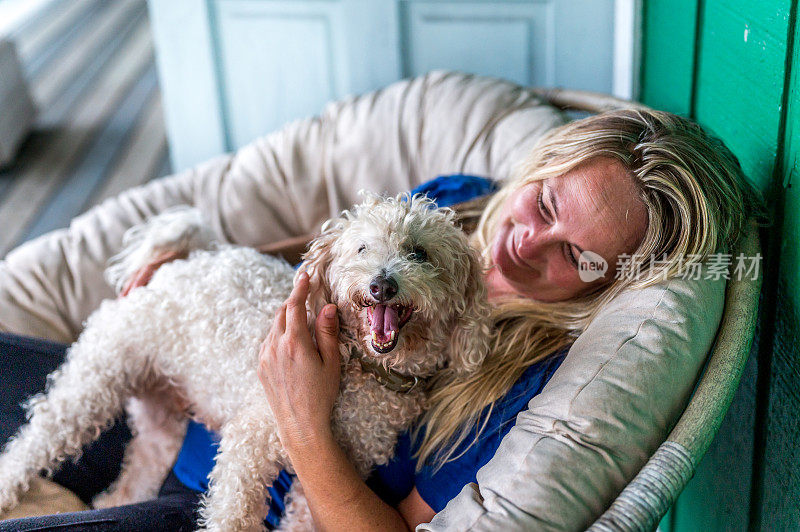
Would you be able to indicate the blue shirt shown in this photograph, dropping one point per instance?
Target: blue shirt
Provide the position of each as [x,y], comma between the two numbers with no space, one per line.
[395,480]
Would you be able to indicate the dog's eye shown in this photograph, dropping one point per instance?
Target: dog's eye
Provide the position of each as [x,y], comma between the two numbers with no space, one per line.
[419,254]
[362,248]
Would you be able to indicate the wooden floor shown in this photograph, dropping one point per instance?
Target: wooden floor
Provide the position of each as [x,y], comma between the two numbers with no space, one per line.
[100,127]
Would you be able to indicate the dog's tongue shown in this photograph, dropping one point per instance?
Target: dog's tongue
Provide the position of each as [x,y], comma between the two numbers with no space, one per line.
[384,321]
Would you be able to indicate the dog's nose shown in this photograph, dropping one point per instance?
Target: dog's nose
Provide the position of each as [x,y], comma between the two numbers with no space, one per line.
[383,288]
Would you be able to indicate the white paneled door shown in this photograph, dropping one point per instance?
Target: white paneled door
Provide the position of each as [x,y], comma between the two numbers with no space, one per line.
[233,70]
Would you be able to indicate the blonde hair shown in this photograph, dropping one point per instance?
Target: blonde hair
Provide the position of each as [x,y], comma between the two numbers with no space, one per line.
[697,200]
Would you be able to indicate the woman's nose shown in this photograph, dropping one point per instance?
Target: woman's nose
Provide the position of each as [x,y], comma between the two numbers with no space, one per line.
[532,242]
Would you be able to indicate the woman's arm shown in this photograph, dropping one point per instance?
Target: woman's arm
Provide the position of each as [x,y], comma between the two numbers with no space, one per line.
[301,383]
[340,500]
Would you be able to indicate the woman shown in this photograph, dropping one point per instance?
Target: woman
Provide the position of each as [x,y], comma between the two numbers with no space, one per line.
[638,183]
[627,183]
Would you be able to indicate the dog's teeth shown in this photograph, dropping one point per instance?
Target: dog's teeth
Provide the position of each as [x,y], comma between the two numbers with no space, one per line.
[392,335]
[374,337]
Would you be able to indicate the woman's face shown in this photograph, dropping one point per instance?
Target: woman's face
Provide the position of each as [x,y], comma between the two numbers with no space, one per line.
[548,227]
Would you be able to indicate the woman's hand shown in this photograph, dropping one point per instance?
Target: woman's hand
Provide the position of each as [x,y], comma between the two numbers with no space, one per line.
[143,275]
[301,378]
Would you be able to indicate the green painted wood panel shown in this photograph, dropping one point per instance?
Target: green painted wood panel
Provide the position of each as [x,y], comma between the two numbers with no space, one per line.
[718,497]
[781,481]
[790,256]
[740,68]
[740,79]
[780,509]
[668,47]
[790,252]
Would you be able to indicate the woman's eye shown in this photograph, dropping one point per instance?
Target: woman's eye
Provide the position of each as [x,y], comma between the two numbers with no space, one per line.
[570,256]
[362,248]
[419,254]
[542,208]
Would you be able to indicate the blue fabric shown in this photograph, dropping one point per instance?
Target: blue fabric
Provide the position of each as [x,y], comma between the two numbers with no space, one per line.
[197,454]
[394,481]
[447,190]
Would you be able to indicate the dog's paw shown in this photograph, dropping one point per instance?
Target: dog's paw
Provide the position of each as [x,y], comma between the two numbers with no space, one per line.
[105,500]
[9,497]
[111,498]
[13,482]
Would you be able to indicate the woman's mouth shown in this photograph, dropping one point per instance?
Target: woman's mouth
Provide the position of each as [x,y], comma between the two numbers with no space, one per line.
[385,322]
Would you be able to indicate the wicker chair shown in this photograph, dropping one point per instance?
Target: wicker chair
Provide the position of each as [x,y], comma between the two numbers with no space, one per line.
[643,503]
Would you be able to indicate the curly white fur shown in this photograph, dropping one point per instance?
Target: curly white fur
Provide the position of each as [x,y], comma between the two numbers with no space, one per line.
[187,344]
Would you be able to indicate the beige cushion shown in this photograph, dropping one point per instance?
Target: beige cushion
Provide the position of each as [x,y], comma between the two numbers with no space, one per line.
[604,411]
[45,497]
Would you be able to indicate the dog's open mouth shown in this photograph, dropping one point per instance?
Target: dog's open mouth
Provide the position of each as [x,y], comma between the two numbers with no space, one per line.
[385,322]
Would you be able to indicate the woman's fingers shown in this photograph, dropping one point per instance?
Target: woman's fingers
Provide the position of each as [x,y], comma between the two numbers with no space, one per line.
[292,312]
[327,328]
[140,278]
[296,319]
[143,275]
[279,325]
[300,383]
[127,287]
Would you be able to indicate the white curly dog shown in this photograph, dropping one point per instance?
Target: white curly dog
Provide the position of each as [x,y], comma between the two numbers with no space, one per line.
[411,303]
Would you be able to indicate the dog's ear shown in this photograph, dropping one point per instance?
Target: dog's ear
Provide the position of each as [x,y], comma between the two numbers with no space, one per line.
[316,262]
[470,339]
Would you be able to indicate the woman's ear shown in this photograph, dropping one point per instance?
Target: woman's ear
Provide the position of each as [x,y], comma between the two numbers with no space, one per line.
[316,262]
[470,339]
